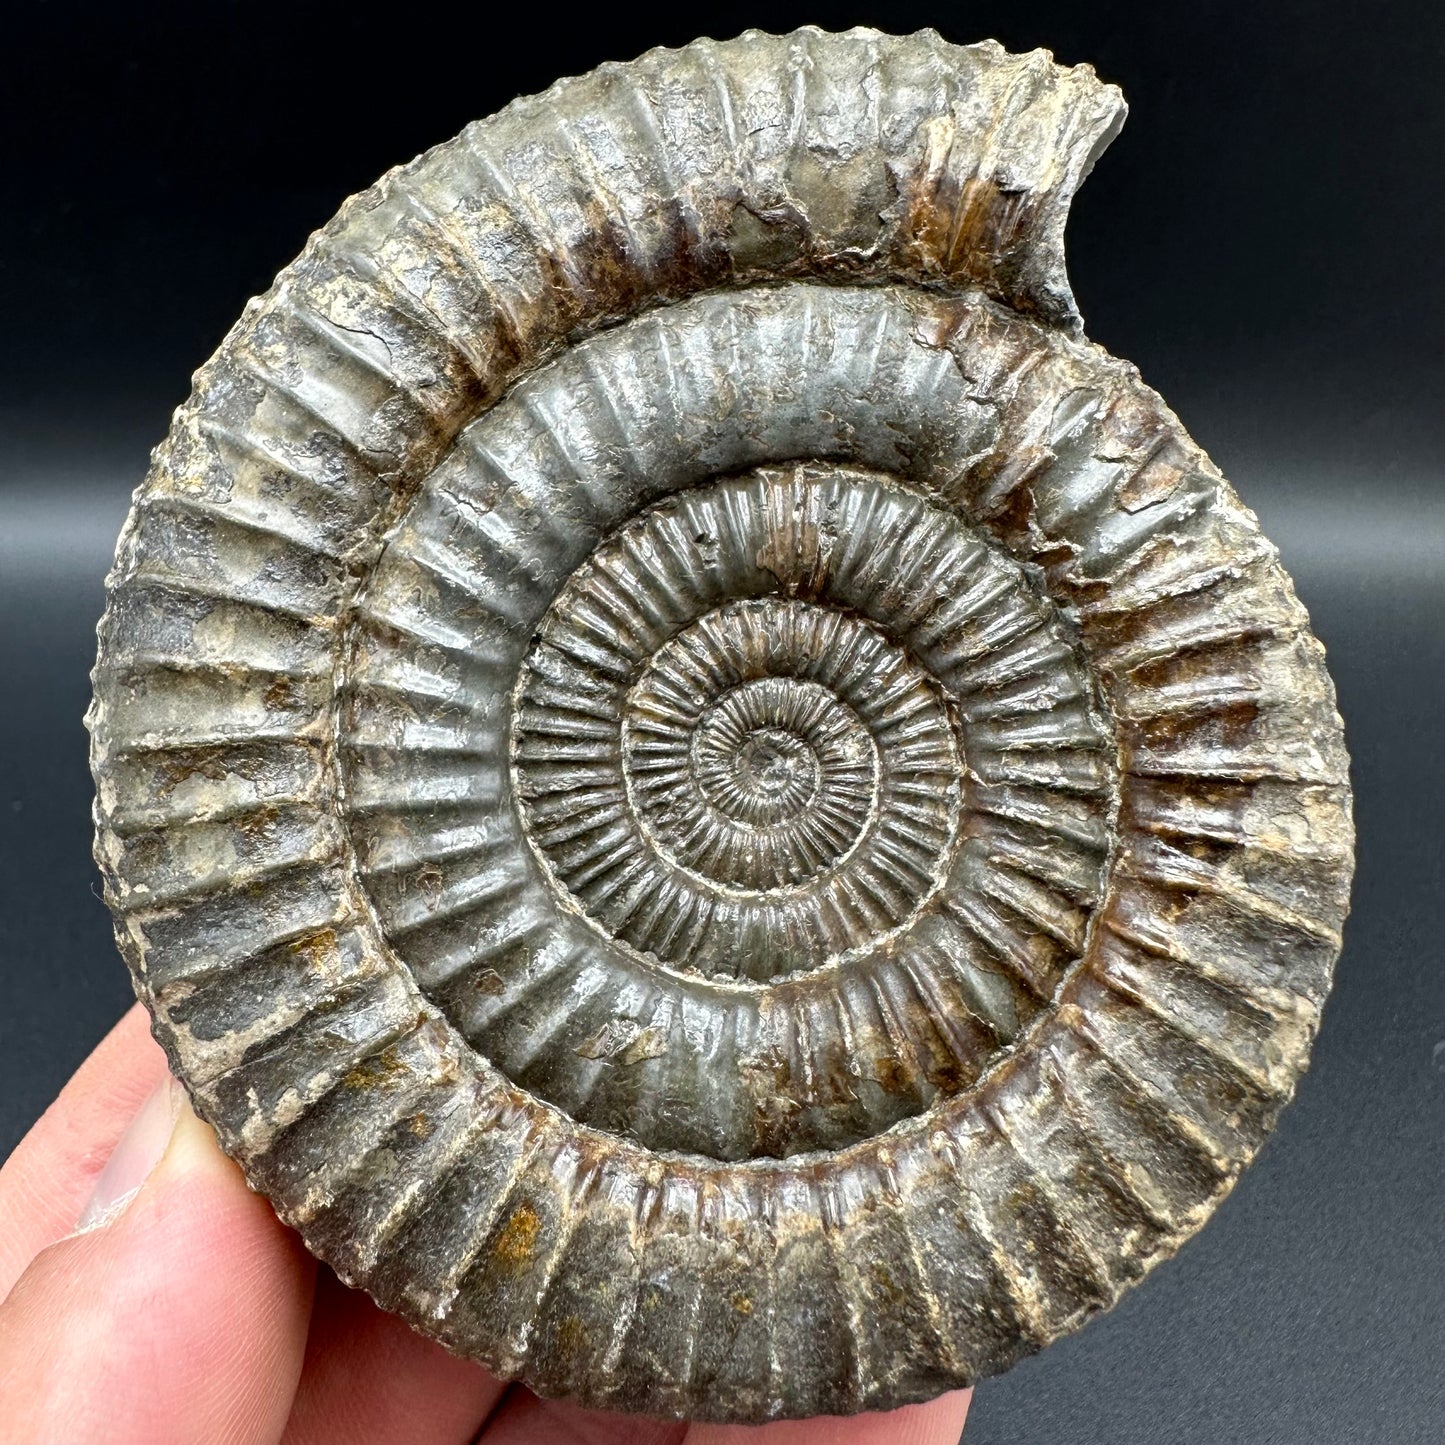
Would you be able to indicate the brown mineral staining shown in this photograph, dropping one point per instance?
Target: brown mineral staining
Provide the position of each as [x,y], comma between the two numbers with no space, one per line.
[1155,481]
[649,1044]
[990,222]
[889,1074]
[258,824]
[517,1240]
[886,1287]
[966,226]
[719,808]
[573,1338]
[600,1045]
[318,949]
[385,1070]
[281,695]
[208,763]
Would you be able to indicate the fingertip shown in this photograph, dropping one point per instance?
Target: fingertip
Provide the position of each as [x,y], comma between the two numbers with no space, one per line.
[370,1380]
[182,1318]
[136,1154]
[46,1180]
[938,1422]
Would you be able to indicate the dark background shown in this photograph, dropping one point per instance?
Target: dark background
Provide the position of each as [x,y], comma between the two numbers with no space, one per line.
[1265,240]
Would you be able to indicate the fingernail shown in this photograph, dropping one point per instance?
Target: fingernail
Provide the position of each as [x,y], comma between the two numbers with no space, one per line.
[137,1152]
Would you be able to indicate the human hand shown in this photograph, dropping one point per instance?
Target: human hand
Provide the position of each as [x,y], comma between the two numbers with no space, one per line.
[149,1298]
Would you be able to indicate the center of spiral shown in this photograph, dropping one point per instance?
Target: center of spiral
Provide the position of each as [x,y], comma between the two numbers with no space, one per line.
[759,785]
[776,813]
[762,754]
[721,765]
[773,769]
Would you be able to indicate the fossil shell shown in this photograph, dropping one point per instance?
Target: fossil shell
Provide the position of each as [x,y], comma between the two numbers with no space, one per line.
[724,813]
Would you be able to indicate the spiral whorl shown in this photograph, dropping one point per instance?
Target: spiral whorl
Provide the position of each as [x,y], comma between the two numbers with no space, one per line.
[724,813]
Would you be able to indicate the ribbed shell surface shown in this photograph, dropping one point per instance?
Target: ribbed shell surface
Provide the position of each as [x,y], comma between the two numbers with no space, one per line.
[725,814]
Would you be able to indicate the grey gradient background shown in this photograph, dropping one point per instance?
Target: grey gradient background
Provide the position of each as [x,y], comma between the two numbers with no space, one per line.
[1265,240]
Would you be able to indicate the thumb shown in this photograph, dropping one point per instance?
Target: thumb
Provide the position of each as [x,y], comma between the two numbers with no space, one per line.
[177,1312]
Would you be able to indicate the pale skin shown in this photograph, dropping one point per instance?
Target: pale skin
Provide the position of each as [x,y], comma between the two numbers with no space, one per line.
[147,1297]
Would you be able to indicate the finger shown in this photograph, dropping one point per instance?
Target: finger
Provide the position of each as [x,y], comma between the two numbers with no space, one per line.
[182,1319]
[370,1380]
[940,1422]
[46,1181]
[523,1419]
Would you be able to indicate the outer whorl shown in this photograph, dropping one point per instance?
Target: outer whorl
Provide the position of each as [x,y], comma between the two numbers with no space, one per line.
[723,812]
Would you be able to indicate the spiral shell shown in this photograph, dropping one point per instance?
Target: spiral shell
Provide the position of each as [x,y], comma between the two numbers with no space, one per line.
[724,813]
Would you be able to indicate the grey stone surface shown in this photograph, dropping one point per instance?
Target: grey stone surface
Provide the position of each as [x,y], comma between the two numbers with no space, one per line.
[723,812]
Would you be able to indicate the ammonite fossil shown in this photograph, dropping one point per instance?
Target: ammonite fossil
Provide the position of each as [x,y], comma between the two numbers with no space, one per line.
[724,813]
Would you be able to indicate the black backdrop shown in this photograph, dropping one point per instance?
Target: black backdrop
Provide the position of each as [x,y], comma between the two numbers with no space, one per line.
[1264,240]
